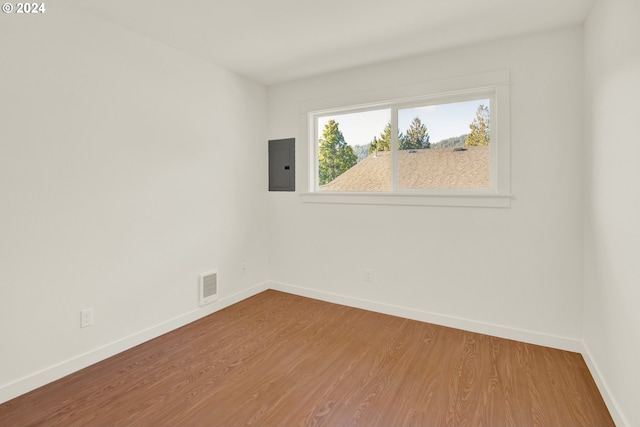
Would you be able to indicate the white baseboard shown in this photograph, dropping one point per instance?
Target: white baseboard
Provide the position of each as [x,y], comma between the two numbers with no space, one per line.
[562,343]
[531,337]
[30,382]
[23,385]
[614,409]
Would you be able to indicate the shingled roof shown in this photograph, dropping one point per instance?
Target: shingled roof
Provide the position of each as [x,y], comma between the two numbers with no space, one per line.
[427,168]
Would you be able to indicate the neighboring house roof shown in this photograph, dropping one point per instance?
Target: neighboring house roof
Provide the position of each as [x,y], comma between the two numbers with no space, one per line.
[427,168]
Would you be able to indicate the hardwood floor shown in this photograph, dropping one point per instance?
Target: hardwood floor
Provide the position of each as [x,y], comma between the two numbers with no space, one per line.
[281,360]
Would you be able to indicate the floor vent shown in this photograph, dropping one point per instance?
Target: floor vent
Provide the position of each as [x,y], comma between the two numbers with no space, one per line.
[208,287]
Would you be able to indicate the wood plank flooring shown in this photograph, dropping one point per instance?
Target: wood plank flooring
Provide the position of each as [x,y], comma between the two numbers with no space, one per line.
[281,360]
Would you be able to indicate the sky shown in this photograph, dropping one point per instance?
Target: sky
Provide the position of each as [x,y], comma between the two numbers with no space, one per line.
[443,121]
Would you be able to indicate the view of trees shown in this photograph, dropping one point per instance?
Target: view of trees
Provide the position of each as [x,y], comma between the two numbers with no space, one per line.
[416,138]
[453,142]
[334,155]
[383,143]
[479,128]
[362,151]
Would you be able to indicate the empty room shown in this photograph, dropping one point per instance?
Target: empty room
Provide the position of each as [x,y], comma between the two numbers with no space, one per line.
[336,213]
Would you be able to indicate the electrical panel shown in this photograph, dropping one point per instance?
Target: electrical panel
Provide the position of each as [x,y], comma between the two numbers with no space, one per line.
[282,164]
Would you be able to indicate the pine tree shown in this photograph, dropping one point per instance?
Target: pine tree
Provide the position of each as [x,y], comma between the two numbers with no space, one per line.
[383,142]
[335,156]
[479,128]
[373,145]
[417,136]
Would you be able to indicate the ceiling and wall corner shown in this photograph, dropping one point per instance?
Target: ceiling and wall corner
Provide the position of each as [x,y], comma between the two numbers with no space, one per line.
[277,41]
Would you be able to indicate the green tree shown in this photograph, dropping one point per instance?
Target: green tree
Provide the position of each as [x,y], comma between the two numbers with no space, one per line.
[417,136]
[335,156]
[453,142]
[383,142]
[373,145]
[479,128]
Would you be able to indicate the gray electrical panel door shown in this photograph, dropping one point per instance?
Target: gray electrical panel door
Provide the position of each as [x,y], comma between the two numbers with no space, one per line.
[282,164]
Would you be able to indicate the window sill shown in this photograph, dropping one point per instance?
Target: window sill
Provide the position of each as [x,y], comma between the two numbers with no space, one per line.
[452,200]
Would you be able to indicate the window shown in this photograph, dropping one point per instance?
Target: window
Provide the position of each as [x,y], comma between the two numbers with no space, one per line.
[430,148]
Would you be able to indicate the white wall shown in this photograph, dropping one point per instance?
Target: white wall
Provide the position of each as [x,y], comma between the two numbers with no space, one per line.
[612,201]
[126,169]
[513,272]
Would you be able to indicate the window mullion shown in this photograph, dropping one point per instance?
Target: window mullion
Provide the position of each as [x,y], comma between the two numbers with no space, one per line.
[394,148]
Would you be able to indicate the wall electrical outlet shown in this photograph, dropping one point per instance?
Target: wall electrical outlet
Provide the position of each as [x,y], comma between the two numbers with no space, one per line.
[368,275]
[86,317]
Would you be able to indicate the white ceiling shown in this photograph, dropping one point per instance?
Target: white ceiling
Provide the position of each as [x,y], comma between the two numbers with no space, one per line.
[274,41]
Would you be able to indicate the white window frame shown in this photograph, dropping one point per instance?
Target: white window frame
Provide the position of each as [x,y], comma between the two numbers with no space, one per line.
[496,195]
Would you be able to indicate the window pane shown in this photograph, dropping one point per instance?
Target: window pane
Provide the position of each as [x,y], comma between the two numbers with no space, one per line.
[444,146]
[354,151]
